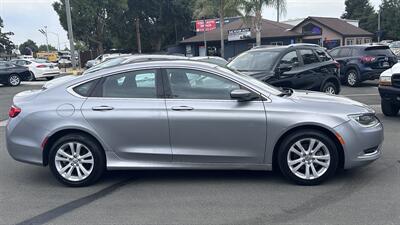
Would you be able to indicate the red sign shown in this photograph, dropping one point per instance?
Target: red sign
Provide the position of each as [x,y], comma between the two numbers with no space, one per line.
[210,25]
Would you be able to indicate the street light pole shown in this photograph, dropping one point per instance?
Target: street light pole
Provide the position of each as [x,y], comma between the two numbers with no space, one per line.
[204,35]
[47,40]
[70,34]
[379,25]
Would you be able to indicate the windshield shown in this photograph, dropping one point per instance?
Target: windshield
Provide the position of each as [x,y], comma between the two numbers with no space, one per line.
[254,81]
[254,61]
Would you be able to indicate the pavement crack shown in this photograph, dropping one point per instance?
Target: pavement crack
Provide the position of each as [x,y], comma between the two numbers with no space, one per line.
[70,206]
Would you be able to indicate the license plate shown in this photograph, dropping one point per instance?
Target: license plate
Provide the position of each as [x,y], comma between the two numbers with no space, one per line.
[385,64]
[51,67]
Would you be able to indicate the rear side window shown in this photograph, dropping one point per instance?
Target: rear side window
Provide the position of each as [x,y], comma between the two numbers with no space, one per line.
[308,56]
[345,52]
[86,88]
[322,55]
[334,52]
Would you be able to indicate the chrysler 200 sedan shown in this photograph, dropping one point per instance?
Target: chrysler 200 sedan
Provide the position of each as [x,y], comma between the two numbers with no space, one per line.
[187,115]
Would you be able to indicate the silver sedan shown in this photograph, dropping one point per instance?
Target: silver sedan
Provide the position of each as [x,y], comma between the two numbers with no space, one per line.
[187,115]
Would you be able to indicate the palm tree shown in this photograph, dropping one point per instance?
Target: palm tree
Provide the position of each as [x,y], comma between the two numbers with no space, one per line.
[254,8]
[221,8]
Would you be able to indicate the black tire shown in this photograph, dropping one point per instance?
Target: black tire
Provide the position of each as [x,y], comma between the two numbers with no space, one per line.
[99,165]
[299,135]
[14,80]
[389,108]
[353,73]
[330,86]
[32,77]
[49,78]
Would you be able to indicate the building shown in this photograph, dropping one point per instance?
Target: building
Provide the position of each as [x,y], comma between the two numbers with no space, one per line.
[331,32]
[240,35]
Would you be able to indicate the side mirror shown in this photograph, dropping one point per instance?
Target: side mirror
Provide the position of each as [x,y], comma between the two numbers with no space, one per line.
[284,68]
[242,95]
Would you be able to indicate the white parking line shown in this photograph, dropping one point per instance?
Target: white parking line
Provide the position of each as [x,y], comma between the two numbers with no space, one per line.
[33,83]
[355,95]
[3,123]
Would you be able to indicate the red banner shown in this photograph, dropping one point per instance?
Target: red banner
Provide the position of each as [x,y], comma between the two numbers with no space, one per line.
[210,25]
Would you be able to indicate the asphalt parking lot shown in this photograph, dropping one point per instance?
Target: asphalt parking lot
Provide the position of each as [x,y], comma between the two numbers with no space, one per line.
[368,195]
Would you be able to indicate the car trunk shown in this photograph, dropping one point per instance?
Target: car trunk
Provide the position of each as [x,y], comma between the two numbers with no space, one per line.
[379,57]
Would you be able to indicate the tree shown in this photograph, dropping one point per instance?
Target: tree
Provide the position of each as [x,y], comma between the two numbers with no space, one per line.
[28,47]
[6,45]
[44,48]
[253,8]
[221,8]
[390,18]
[91,19]
[363,11]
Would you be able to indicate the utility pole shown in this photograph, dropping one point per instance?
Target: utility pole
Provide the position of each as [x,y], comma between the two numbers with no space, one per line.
[204,36]
[139,43]
[379,25]
[70,34]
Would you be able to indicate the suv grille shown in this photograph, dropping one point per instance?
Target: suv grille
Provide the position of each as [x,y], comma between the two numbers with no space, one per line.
[396,80]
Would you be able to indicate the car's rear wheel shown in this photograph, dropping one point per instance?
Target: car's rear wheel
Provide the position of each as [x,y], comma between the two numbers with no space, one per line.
[352,78]
[389,108]
[308,157]
[330,88]
[14,80]
[77,160]
[49,78]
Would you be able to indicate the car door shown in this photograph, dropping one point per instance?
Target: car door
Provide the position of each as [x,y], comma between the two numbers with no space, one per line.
[343,58]
[309,76]
[206,125]
[3,73]
[128,112]
[288,78]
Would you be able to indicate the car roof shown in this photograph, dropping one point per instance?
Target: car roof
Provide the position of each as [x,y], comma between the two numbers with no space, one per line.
[284,47]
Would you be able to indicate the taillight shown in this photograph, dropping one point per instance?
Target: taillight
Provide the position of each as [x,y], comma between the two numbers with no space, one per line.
[14,111]
[41,66]
[367,59]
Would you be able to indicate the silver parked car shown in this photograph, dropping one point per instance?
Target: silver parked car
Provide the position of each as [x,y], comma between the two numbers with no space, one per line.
[187,115]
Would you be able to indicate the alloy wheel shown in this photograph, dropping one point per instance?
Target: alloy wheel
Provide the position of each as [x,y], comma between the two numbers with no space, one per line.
[308,158]
[74,161]
[14,80]
[330,90]
[351,78]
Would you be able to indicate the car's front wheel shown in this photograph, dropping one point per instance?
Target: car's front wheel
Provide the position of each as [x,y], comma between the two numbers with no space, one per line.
[77,160]
[308,157]
[389,108]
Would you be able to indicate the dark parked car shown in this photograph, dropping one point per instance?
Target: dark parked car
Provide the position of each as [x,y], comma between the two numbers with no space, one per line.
[12,75]
[298,66]
[362,62]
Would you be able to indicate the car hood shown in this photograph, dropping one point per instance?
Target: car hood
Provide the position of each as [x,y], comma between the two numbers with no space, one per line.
[330,103]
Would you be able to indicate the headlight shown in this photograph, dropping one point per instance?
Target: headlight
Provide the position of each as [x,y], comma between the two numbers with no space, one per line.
[385,80]
[365,120]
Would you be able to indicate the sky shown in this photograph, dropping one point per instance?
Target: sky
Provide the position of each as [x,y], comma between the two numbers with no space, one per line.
[25,17]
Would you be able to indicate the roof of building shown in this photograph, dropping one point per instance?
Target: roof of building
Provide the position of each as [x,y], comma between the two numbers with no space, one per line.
[337,25]
[269,29]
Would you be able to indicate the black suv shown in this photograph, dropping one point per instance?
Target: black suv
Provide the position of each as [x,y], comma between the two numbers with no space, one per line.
[362,62]
[298,66]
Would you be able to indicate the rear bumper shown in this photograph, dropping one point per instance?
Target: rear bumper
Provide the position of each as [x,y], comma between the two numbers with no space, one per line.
[371,74]
[362,145]
[390,93]
[47,73]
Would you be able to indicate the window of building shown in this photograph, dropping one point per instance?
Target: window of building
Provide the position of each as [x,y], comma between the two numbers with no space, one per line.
[311,29]
[308,56]
[367,40]
[278,43]
[349,41]
[359,41]
[193,84]
[135,84]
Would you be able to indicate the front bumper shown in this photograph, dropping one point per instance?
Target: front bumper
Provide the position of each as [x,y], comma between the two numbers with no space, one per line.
[362,145]
[390,93]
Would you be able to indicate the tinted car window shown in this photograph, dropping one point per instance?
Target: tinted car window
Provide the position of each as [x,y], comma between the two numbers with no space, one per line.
[193,84]
[308,56]
[254,60]
[322,55]
[135,84]
[2,65]
[290,59]
[379,51]
[345,52]
[85,89]
[334,52]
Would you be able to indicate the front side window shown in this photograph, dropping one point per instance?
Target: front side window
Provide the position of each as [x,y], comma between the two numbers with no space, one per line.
[193,84]
[308,56]
[290,59]
[133,84]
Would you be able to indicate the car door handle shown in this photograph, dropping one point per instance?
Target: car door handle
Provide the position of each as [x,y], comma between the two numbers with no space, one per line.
[182,108]
[102,108]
